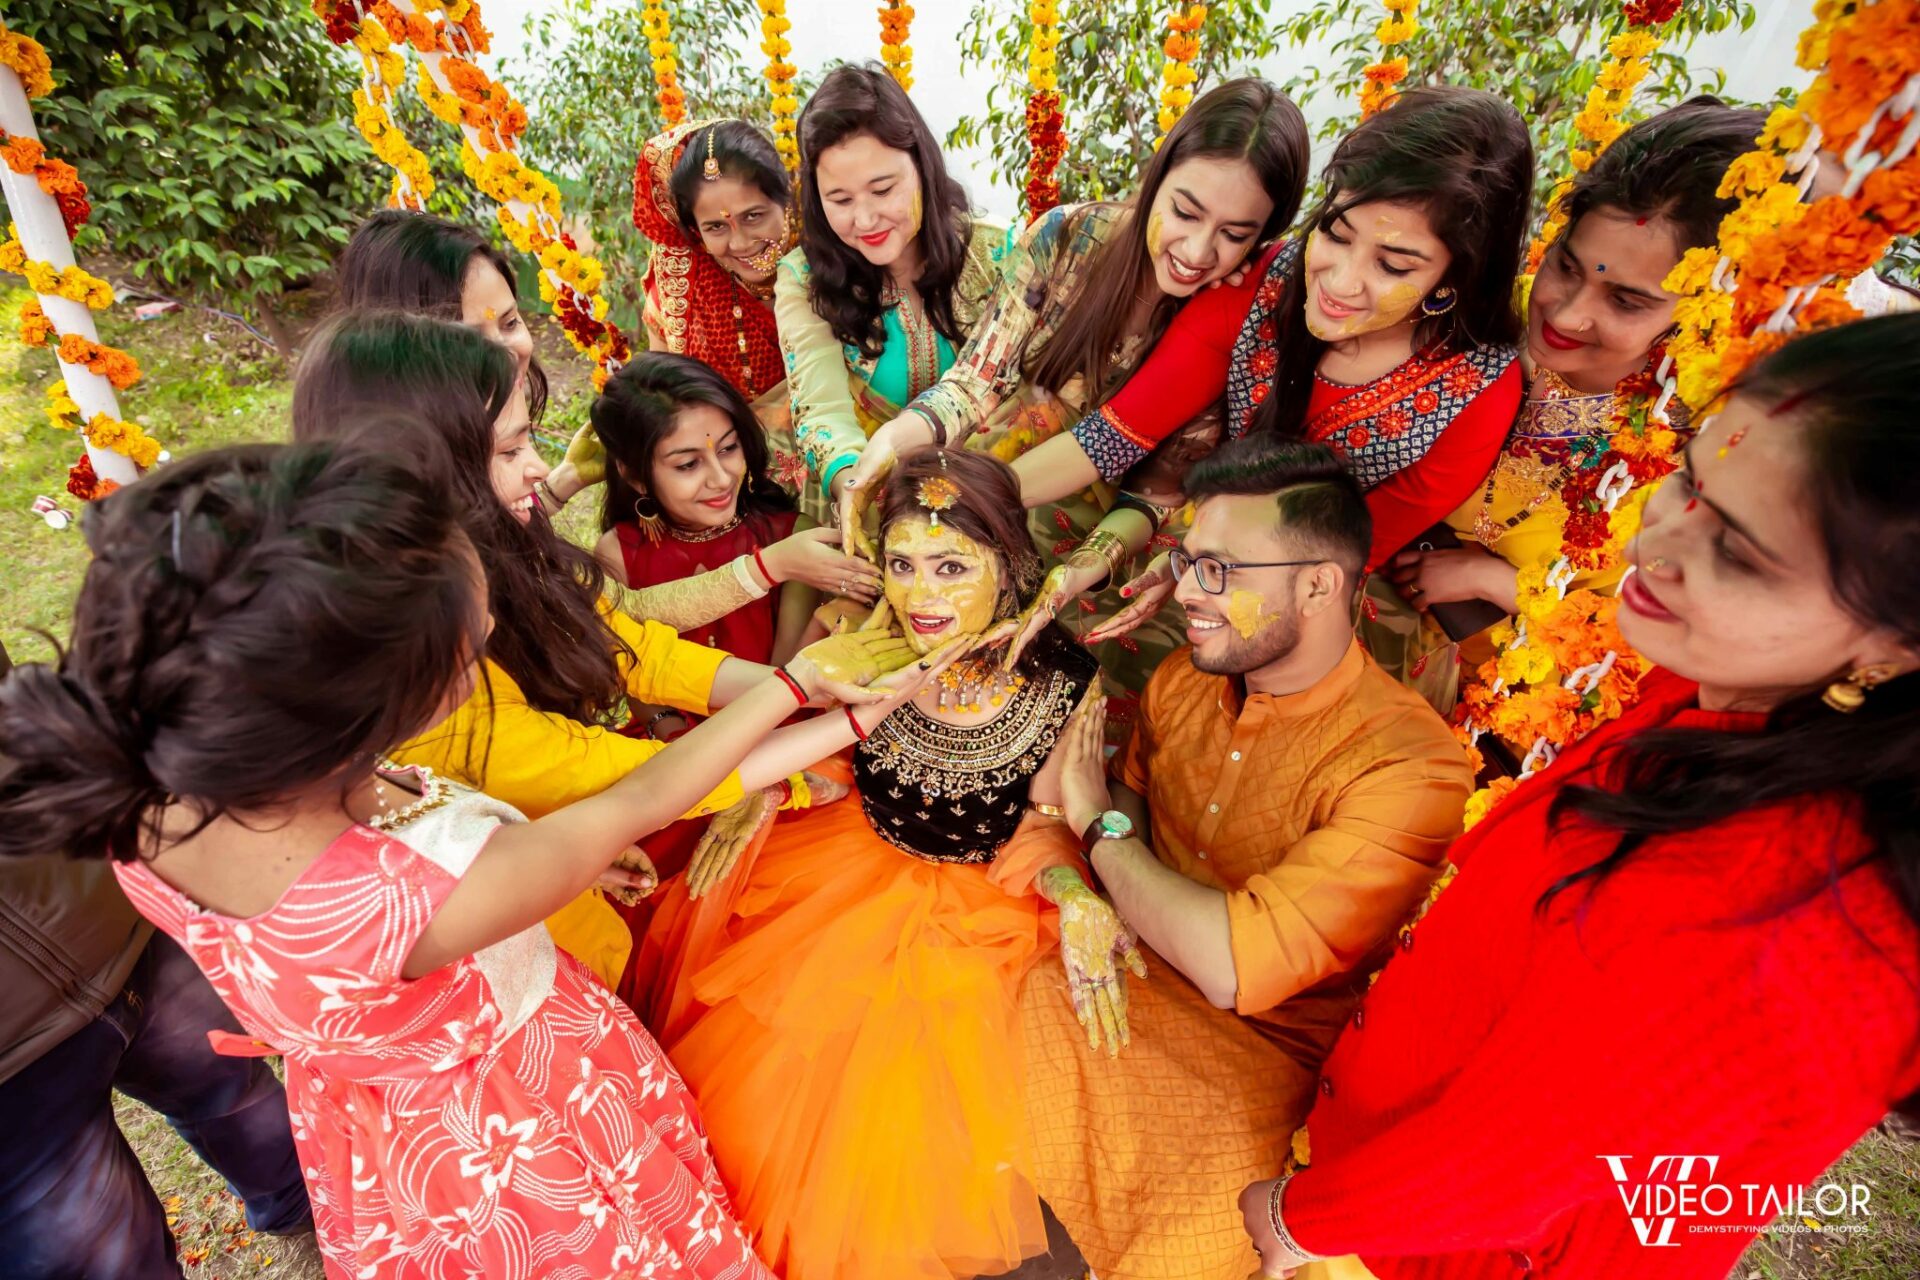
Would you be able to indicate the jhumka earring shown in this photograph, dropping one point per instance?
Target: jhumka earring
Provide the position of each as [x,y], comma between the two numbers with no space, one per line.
[711,169]
[1849,695]
[651,523]
[1440,301]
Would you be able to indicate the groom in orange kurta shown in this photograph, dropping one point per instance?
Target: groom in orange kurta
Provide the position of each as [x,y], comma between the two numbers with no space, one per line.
[1290,805]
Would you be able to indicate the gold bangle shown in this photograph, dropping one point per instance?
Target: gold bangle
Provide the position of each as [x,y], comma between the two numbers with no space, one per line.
[1110,547]
[1047,810]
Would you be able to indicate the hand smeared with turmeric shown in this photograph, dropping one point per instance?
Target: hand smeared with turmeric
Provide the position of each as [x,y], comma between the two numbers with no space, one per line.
[1094,944]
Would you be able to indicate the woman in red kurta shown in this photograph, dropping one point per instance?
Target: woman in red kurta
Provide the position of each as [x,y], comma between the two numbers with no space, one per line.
[1695,934]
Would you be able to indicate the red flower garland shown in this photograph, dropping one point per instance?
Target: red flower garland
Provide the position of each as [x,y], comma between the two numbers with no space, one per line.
[1047,132]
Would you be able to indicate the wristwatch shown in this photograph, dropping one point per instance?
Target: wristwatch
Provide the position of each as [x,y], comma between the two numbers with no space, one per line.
[1111,825]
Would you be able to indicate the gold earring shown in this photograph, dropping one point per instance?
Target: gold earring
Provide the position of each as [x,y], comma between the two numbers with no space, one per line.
[1849,695]
[651,524]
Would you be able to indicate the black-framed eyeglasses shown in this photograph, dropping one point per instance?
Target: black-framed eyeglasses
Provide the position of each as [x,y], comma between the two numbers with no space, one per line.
[1212,571]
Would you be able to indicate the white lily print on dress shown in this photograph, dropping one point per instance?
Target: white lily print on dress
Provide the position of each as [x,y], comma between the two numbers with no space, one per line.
[504,1144]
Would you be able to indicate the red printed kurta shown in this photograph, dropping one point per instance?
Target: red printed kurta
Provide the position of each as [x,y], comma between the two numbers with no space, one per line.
[503,1116]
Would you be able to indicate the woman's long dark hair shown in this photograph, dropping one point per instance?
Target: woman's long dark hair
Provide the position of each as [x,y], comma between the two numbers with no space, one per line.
[548,633]
[1853,394]
[1463,156]
[256,622]
[844,288]
[418,262]
[637,411]
[742,153]
[1246,119]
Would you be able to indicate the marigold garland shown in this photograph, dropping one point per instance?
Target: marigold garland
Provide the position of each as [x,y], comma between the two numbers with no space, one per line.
[103,431]
[29,61]
[665,55]
[774,25]
[1598,120]
[71,283]
[1181,46]
[1379,80]
[85,484]
[447,34]
[896,19]
[111,363]
[1046,123]
[27,157]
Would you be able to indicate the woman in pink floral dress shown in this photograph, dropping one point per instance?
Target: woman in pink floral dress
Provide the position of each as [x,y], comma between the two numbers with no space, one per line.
[466,1101]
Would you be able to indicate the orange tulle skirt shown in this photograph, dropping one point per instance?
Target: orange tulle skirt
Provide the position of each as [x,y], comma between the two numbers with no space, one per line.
[852,1034]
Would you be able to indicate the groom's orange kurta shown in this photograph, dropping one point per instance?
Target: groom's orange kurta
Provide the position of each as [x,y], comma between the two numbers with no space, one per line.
[1324,816]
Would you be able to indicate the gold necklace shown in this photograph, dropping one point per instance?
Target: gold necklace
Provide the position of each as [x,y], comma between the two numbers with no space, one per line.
[705,535]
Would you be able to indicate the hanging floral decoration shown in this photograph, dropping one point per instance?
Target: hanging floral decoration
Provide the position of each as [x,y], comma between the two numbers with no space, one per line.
[1181,46]
[1865,109]
[1380,80]
[774,25]
[25,156]
[1560,668]
[1598,122]
[447,35]
[86,485]
[896,18]
[111,363]
[665,54]
[1769,272]
[28,60]
[1046,124]
[104,431]
[72,283]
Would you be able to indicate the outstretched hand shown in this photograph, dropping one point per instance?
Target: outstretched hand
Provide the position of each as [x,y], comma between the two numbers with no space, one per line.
[587,456]
[1148,594]
[727,837]
[846,663]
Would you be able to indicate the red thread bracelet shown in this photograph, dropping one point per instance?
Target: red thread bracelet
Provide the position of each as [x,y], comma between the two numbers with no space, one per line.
[761,565]
[793,686]
[859,733]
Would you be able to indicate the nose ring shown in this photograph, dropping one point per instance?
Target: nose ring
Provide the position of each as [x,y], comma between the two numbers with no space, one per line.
[1658,562]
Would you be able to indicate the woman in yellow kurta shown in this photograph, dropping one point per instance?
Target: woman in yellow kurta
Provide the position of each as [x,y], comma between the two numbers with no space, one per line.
[560,662]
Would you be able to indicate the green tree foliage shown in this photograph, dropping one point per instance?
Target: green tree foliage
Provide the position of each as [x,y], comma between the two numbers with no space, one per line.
[1543,58]
[1109,72]
[216,138]
[588,89]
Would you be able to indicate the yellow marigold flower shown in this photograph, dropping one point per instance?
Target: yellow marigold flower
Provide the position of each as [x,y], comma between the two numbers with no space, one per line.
[1527,664]
[1752,174]
[1633,44]
[1693,272]
[1044,12]
[1785,131]
[1396,29]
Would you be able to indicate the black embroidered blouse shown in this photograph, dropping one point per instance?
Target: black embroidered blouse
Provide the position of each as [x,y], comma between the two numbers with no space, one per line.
[950,793]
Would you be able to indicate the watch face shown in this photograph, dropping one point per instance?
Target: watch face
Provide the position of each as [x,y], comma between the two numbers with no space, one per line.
[1116,825]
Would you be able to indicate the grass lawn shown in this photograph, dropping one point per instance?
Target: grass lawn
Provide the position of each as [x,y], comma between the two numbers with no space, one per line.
[208,384]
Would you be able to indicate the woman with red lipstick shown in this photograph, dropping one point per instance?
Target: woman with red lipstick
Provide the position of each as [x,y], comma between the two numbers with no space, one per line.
[853,1035]
[1087,294]
[1597,313]
[1622,969]
[1388,333]
[890,278]
[689,491]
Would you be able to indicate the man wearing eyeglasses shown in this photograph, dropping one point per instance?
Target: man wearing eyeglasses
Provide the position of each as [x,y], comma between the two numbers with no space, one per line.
[1282,808]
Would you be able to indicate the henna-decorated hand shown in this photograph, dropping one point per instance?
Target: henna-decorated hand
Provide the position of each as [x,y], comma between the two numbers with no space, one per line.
[1092,940]
[727,837]
[1147,594]
[630,878]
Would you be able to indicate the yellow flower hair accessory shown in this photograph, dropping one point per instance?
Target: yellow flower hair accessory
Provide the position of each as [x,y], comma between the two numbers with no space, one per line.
[936,494]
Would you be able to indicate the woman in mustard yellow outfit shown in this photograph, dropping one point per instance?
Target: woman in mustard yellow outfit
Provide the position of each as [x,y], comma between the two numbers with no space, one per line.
[560,662]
